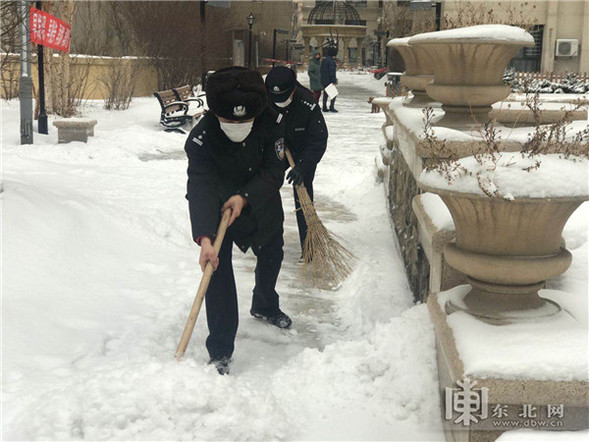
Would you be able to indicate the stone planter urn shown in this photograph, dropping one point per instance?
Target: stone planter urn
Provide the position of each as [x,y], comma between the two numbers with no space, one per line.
[468,66]
[418,70]
[507,249]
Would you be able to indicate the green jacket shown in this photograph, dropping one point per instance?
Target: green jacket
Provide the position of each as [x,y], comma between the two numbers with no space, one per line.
[314,72]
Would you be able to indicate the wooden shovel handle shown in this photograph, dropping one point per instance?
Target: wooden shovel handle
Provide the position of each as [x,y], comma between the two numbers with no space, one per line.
[290,158]
[202,288]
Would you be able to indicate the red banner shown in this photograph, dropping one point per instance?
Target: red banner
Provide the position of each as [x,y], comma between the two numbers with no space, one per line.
[49,31]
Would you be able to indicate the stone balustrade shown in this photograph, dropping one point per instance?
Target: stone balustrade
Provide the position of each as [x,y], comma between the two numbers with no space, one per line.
[464,86]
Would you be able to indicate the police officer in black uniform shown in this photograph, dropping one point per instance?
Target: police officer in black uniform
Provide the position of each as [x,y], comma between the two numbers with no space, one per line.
[306,131]
[236,161]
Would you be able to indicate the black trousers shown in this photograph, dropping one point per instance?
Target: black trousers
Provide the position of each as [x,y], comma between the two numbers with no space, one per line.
[301,223]
[332,103]
[221,296]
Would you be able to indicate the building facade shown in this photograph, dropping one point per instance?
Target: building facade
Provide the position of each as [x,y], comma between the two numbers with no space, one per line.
[560,28]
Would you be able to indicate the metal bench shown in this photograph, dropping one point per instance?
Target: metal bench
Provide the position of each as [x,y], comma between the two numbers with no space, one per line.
[175,109]
[185,94]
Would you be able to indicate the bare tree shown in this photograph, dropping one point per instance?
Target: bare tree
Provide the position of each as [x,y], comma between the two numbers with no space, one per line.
[172,35]
[10,21]
[470,13]
[64,84]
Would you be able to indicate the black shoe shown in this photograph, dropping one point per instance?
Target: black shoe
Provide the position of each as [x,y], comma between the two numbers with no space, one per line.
[279,319]
[333,110]
[222,364]
[325,109]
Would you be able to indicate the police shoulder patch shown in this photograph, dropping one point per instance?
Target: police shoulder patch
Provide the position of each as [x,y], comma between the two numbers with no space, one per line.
[279,148]
[198,140]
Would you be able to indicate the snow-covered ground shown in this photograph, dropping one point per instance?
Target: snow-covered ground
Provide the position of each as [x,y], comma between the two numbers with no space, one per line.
[99,273]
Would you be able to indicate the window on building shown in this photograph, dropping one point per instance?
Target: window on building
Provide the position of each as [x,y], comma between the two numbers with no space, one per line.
[530,59]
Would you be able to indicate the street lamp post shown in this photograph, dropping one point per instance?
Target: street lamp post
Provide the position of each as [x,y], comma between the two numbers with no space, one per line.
[26,81]
[251,19]
[379,34]
[42,117]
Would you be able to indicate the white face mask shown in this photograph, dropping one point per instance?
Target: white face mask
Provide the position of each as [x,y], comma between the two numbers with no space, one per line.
[237,132]
[284,103]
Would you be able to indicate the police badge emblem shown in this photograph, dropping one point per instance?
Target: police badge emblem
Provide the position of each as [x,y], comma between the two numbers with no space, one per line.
[276,89]
[239,111]
[279,148]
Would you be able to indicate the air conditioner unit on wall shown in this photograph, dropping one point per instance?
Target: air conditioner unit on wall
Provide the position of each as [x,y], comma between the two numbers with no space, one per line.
[566,47]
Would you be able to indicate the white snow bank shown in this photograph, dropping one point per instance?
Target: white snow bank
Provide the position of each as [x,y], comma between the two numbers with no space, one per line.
[543,436]
[394,368]
[553,348]
[576,229]
[100,272]
[546,98]
[556,177]
[437,211]
[548,105]
[412,118]
[476,34]
[364,81]
[382,101]
[313,396]
[389,132]
[398,41]
[151,400]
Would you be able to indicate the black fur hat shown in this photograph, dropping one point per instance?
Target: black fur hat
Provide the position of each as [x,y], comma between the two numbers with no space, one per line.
[236,93]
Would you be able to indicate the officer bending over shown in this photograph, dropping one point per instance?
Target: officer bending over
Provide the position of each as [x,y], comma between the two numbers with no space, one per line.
[236,161]
[306,131]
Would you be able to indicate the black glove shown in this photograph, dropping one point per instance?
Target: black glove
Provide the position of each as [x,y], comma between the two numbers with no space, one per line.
[295,176]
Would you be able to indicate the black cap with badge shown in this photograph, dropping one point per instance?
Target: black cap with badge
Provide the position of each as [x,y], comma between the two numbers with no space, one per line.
[280,82]
[236,93]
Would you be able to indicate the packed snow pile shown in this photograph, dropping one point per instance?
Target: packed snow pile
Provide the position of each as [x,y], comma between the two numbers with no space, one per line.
[437,211]
[553,348]
[476,34]
[513,175]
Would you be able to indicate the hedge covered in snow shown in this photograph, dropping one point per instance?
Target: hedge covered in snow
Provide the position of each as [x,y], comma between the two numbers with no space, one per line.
[569,84]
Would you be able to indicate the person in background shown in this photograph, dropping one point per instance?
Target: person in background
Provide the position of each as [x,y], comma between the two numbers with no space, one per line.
[305,132]
[236,161]
[328,76]
[314,72]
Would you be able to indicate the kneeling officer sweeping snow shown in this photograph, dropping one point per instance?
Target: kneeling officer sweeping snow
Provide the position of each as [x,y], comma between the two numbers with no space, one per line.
[236,162]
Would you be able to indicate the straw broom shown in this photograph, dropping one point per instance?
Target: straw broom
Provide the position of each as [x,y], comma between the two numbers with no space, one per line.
[323,255]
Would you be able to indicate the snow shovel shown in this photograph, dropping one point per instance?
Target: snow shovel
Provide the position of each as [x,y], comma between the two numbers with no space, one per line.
[202,288]
[323,254]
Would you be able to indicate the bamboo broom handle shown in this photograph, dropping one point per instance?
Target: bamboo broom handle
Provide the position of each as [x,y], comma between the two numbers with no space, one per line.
[300,187]
[202,288]
[290,158]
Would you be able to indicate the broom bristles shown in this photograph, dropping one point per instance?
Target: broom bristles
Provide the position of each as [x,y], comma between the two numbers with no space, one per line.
[323,255]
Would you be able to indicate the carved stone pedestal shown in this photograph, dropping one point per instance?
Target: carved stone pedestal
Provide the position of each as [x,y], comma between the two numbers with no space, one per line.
[498,403]
[74,129]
